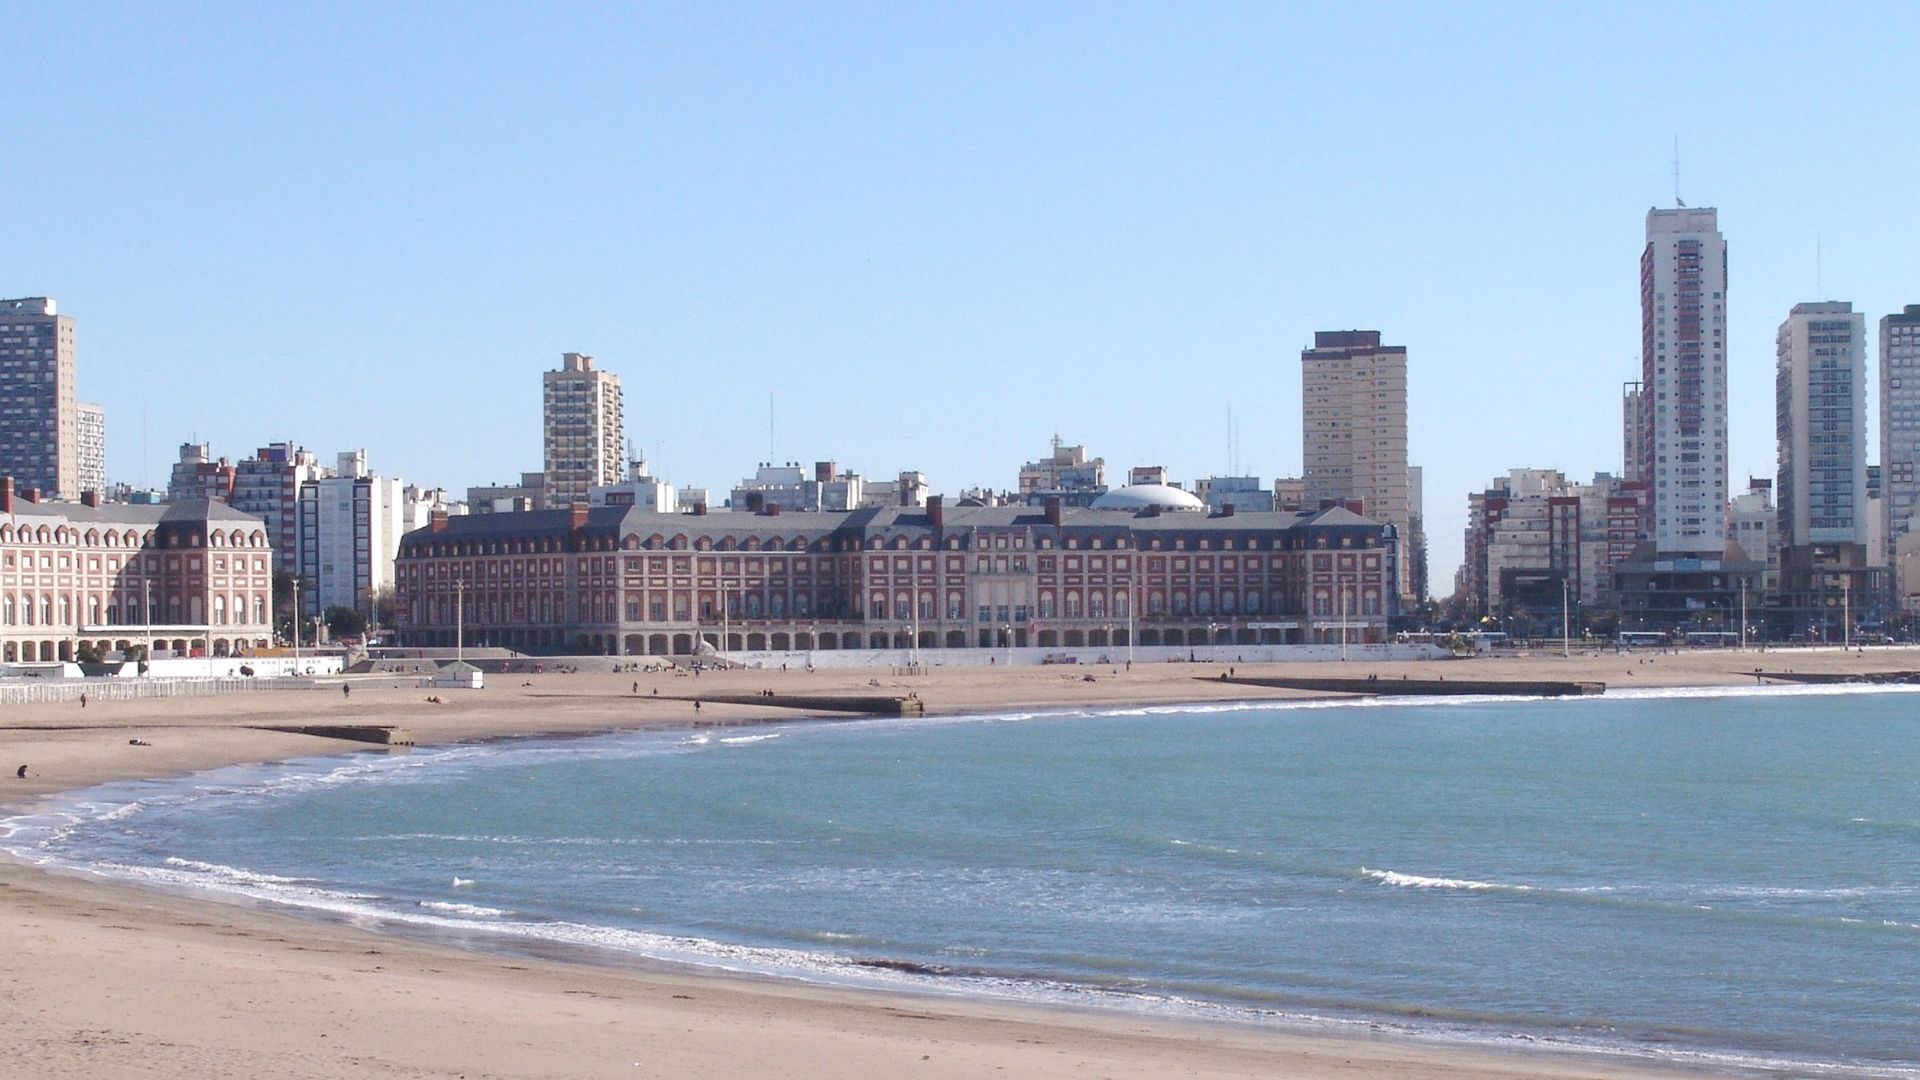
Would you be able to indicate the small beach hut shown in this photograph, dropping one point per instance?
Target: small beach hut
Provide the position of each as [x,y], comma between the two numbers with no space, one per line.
[459,674]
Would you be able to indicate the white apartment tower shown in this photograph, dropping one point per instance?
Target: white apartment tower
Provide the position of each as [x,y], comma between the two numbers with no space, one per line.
[1899,423]
[1820,400]
[1354,428]
[90,431]
[350,527]
[582,425]
[1683,376]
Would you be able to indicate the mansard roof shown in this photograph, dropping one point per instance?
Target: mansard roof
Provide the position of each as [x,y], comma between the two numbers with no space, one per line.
[183,512]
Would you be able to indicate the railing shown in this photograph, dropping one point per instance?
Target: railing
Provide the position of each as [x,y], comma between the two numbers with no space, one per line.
[26,691]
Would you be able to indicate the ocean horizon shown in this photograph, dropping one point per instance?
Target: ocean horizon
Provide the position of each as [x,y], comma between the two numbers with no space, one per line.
[1722,878]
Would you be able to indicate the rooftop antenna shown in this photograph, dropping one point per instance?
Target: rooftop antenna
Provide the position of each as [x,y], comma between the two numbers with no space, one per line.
[771,440]
[1677,200]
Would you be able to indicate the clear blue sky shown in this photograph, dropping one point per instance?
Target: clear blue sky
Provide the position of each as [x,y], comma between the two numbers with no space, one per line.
[935,234]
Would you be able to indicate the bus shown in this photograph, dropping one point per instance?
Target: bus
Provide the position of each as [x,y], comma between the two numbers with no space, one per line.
[1643,639]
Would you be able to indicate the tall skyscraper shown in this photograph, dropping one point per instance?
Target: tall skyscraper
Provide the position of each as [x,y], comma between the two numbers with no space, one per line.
[1899,423]
[1354,429]
[1683,572]
[1820,390]
[39,406]
[1683,376]
[583,429]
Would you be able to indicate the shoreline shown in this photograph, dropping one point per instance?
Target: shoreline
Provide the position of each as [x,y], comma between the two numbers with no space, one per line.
[86,948]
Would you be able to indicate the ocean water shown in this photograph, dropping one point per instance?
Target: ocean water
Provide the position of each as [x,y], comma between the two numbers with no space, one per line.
[1729,878]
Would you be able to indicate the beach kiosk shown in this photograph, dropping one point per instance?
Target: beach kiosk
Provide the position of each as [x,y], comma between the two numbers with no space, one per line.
[459,675]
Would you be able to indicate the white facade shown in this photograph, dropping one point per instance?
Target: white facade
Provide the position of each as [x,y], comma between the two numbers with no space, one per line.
[1820,385]
[91,427]
[423,503]
[1240,492]
[640,489]
[1753,522]
[1683,298]
[350,529]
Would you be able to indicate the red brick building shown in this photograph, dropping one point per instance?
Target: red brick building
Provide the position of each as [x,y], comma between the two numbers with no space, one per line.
[627,582]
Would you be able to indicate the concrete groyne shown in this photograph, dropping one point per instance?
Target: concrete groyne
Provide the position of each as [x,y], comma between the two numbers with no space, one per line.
[1390,687]
[861,704]
[1879,677]
[382,734]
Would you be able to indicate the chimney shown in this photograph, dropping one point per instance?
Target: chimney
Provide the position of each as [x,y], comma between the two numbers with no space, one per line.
[756,502]
[773,509]
[6,494]
[437,520]
[823,472]
[576,515]
[31,495]
[937,512]
[699,509]
[90,498]
[1053,510]
[1226,510]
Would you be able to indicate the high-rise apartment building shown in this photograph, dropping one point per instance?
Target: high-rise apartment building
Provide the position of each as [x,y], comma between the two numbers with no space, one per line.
[1354,428]
[1684,573]
[1827,579]
[1820,402]
[1899,423]
[267,485]
[90,427]
[350,528]
[39,405]
[582,422]
[1683,376]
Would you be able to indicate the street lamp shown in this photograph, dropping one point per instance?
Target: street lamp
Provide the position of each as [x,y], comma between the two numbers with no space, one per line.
[1007,629]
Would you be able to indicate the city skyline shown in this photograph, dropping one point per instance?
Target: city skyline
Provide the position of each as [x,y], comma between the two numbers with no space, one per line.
[1115,236]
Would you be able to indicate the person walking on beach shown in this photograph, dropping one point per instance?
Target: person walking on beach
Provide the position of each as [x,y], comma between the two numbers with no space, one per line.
[21,773]
[345,690]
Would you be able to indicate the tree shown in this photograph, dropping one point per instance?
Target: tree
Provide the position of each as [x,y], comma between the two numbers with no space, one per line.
[87,653]
[344,622]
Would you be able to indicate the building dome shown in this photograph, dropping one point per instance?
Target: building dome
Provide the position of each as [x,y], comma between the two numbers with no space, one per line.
[1142,496]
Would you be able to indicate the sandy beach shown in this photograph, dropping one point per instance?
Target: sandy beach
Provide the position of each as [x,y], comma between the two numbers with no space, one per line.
[103,980]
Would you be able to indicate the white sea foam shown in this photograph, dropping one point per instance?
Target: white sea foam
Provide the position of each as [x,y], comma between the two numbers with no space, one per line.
[1417,881]
[231,873]
[743,740]
[475,910]
[462,882]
